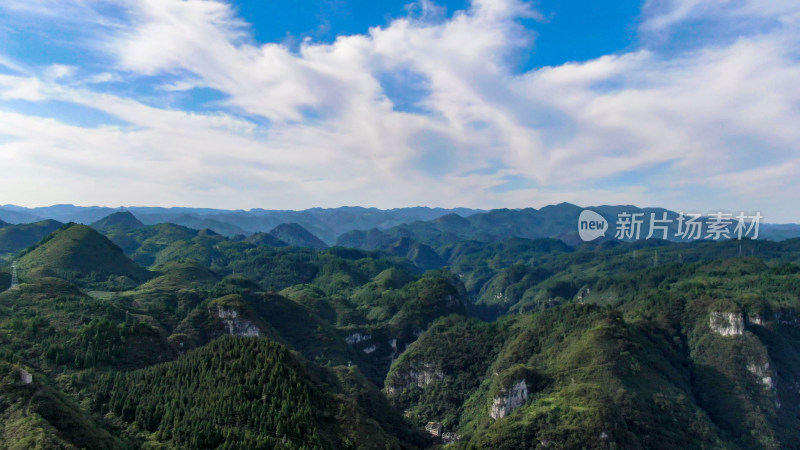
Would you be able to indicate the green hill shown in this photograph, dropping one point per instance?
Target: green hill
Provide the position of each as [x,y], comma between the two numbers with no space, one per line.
[81,252]
[14,238]
[692,355]
[175,276]
[144,244]
[123,220]
[295,235]
[285,402]
[421,255]
[270,315]
[37,415]
[265,239]
[373,239]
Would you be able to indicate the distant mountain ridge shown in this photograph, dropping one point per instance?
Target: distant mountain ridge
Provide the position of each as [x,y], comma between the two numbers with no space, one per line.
[326,223]
[554,221]
[428,226]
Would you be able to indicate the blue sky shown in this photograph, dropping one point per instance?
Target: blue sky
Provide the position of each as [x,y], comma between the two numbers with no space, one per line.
[686,104]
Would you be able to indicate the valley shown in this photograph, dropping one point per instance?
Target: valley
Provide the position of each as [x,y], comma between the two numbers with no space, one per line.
[165,336]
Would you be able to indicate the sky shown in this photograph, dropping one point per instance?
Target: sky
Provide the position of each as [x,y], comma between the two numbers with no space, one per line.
[684,104]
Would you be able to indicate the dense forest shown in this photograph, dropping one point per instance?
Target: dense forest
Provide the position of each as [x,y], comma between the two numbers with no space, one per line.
[126,335]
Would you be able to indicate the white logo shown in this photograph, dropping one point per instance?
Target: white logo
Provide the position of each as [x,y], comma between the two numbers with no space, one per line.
[591,225]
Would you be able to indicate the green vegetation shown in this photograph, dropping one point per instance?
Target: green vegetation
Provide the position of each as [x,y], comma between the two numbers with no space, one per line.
[296,235]
[242,393]
[38,416]
[14,238]
[167,337]
[79,252]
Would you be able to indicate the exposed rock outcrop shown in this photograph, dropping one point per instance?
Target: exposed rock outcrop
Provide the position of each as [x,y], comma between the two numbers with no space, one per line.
[756,319]
[235,325]
[420,377]
[357,337]
[25,377]
[726,323]
[514,397]
[764,373]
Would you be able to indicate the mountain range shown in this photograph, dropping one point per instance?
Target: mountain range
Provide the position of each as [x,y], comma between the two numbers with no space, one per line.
[327,224]
[495,330]
[347,225]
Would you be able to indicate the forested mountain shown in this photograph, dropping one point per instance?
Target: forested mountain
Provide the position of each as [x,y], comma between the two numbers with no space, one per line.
[14,238]
[163,336]
[697,355]
[81,252]
[555,221]
[259,395]
[374,239]
[295,235]
[265,239]
[122,221]
[324,223]
[429,226]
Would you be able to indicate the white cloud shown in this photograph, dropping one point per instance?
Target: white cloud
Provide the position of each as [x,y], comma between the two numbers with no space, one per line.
[59,71]
[103,77]
[670,126]
[21,88]
[11,64]
[661,15]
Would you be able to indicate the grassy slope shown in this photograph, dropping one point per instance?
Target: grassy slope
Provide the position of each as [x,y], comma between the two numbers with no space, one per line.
[78,250]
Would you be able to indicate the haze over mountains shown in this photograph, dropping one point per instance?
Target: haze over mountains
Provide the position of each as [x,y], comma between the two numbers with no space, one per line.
[327,224]
[357,227]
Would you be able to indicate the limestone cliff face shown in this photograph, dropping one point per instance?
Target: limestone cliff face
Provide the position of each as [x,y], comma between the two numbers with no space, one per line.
[514,397]
[357,337]
[25,377]
[756,319]
[764,374]
[422,376]
[369,349]
[726,323]
[234,324]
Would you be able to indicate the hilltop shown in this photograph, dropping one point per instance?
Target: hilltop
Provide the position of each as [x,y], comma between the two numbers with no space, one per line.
[14,238]
[123,220]
[265,239]
[296,235]
[295,405]
[78,250]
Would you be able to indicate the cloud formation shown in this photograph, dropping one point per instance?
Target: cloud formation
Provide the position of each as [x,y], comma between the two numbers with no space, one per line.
[712,126]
